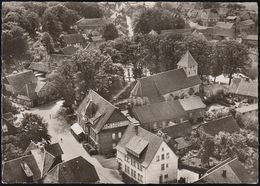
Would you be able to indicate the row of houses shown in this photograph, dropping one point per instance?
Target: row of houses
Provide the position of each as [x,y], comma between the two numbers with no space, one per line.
[42,163]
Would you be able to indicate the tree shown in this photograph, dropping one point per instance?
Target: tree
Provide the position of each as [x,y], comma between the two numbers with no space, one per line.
[47,42]
[8,106]
[157,19]
[88,69]
[33,128]
[11,151]
[172,48]
[14,43]
[51,24]
[234,57]
[209,5]
[37,7]
[201,51]
[87,10]
[110,32]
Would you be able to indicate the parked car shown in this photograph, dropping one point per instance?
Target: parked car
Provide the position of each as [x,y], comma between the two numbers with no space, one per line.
[91,150]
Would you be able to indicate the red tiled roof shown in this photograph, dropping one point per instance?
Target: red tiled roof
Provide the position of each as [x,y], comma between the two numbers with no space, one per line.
[13,172]
[76,170]
[162,83]
[225,124]
[244,88]
[69,50]
[73,39]
[235,174]
[192,103]
[19,80]
[104,110]
[92,23]
[149,152]
[38,66]
[161,111]
[187,60]
[178,130]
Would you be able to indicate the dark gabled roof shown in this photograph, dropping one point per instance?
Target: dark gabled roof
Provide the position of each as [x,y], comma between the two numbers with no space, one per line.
[235,173]
[92,23]
[149,152]
[162,111]
[247,22]
[178,130]
[187,60]
[54,149]
[19,80]
[252,37]
[41,67]
[247,108]
[225,124]
[186,31]
[244,88]
[76,170]
[165,82]
[104,109]
[69,50]
[224,29]
[73,39]
[13,172]
[192,103]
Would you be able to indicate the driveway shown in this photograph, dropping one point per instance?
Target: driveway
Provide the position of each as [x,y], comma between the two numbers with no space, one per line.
[71,147]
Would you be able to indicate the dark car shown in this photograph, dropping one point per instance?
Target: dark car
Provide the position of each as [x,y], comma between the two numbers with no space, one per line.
[91,150]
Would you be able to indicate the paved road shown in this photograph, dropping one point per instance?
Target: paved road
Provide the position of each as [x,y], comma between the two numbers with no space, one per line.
[69,144]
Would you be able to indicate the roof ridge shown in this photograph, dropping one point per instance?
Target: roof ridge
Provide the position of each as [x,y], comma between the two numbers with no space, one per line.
[225,162]
[103,99]
[176,69]
[18,158]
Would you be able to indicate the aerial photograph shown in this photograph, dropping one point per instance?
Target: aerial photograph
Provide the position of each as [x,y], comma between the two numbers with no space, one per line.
[129,92]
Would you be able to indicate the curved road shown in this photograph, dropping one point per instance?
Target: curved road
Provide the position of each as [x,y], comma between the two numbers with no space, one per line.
[70,146]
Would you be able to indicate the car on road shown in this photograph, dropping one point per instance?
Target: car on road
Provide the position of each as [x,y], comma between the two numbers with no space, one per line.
[91,150]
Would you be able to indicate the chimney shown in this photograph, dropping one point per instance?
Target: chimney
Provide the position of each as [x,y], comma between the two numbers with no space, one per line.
[224,173]
[27,171]
[27,90]
[136,125]
[77,164]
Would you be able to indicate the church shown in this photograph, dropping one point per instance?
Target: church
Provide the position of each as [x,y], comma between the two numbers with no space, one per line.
[170,85]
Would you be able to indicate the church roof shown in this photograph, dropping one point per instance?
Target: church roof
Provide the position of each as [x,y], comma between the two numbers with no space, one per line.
[187,60]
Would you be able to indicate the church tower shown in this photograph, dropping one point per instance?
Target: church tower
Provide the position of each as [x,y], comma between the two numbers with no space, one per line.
[189,65]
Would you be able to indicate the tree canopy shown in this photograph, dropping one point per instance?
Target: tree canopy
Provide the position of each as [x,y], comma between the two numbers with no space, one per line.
[157,19]
[110,32]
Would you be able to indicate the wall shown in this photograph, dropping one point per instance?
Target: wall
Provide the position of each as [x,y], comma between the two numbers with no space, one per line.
[154,170]
[105,139]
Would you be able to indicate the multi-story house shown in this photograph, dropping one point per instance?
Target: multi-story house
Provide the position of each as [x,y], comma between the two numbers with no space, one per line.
[102,122]
[170,84]
[145,157]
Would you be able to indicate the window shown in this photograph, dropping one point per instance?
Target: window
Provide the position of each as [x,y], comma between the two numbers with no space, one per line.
[167,165]
[134,174]
[166,176]
[162,149]
[126,169]
[167,155]
[113,136]
[141,178]
[158,158]
[119,135]
[162,156]
[154,125]
[162,167]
